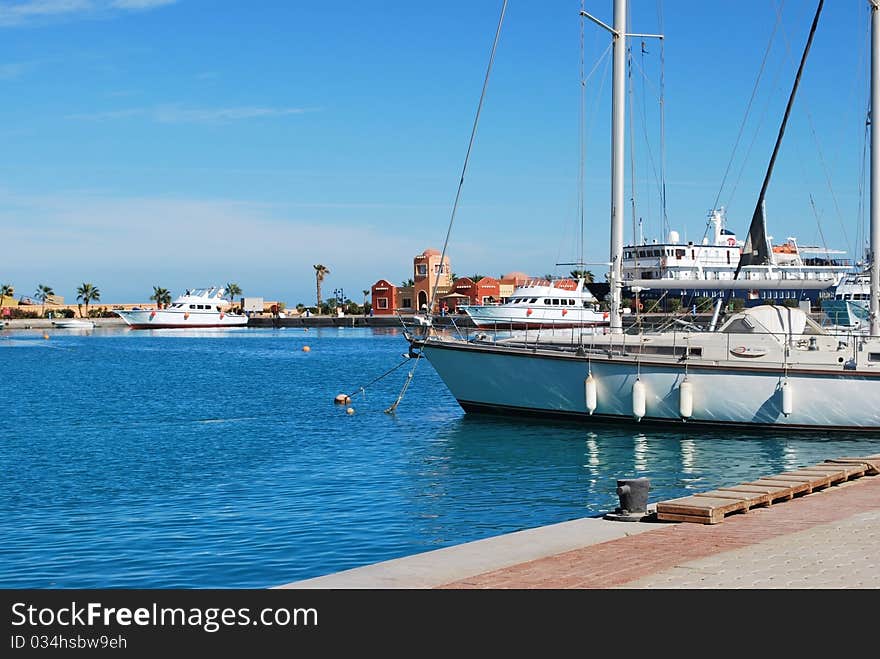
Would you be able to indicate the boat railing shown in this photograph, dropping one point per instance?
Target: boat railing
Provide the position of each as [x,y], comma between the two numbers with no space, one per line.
[581,340]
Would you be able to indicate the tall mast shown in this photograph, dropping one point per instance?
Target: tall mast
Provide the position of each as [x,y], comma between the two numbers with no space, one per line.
[618,116]
[874,314]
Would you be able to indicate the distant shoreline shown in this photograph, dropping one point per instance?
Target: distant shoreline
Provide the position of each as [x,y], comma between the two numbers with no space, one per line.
[258,321]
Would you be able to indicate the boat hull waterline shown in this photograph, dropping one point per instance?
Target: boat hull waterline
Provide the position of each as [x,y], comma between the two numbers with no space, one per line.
[484,378]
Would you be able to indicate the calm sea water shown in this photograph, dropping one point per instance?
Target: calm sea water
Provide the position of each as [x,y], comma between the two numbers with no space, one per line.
[199,459]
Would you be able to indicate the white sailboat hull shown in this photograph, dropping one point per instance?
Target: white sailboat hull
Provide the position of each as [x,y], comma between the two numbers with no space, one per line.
[483,378]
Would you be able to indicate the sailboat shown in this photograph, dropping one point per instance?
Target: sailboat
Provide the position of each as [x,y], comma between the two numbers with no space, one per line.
[765,367]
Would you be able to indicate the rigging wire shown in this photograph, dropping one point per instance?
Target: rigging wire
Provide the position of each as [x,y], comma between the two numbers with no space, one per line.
[749,108]
[581,138]
[664,217]
[467,156]
[825,170]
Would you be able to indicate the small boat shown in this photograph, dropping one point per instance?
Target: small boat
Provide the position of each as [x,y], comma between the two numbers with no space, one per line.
[542,303]
[196,308]
[73,323]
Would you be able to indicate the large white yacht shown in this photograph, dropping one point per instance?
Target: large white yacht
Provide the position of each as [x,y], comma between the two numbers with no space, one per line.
[197,307]
[707,268]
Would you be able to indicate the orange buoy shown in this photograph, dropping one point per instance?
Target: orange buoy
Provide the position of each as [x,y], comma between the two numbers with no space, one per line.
[342,399]
[186,315]
[152,314]
[306,348]
[45,336]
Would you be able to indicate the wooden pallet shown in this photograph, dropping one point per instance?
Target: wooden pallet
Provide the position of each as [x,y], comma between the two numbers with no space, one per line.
[712,507]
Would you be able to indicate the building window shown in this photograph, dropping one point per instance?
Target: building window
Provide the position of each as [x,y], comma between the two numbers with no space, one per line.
[421,269]
[382,303]
[406,303]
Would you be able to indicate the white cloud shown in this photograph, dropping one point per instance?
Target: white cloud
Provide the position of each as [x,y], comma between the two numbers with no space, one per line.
[141,4]
[178,115]
[25,12]
[169,114]
[127,245]
[12,70]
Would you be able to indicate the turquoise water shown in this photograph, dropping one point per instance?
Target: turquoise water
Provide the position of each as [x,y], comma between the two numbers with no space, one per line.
[199,459]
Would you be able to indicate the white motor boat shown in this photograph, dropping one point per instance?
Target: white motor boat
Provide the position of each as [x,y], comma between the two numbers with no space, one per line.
[541,303]
[73,323]
[198,307]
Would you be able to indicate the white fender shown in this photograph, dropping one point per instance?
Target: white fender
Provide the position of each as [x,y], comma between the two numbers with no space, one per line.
[686,399]
[590,393]
[787,398]
[639,396]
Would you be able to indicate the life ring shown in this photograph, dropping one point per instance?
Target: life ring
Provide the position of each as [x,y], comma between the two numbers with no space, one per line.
[739,350]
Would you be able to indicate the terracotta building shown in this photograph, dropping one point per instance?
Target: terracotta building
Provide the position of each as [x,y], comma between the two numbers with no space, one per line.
[428,271]
[384,298]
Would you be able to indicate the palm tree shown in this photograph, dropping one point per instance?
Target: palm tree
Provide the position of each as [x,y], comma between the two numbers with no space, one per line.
[408,283]
[87,293]
[476,278]
[233,290]
[161,295]
[43,293]
[6,290]
[366,292]
[321,271]
[586,274]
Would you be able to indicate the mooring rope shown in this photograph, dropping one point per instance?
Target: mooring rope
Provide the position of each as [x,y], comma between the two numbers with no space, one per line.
[375,380]
[409,377]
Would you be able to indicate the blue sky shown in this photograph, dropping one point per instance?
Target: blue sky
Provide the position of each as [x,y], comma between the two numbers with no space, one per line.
[182,143]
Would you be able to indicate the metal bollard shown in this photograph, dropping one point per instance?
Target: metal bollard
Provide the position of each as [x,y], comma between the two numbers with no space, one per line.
[633,496]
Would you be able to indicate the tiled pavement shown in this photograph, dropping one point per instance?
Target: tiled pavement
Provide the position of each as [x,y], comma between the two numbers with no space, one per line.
[827,539]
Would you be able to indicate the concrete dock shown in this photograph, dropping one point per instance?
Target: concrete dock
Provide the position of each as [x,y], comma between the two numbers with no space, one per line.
[827,539]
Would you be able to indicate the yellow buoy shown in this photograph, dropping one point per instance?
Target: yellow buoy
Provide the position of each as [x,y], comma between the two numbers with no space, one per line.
[350,410]
[342,399]
[639,400]
[590,392]
[306,348]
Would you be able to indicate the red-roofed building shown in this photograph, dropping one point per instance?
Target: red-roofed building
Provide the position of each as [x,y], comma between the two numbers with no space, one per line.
[384,298]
